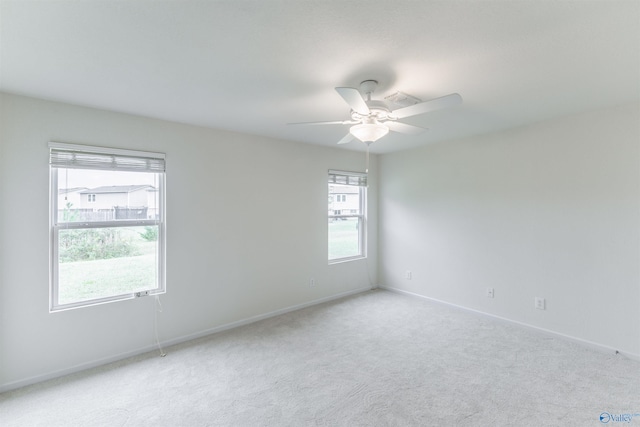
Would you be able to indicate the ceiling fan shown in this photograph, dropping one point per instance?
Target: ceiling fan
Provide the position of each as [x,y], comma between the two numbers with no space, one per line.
[371,119]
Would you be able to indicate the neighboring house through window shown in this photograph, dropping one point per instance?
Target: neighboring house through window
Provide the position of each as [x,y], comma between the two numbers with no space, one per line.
[346,225]
[112,247]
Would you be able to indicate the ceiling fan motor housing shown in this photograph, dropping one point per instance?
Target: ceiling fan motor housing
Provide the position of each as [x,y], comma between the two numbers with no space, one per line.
[377,110]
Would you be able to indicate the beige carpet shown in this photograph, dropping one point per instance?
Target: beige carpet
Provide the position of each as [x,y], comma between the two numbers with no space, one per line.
[375,359]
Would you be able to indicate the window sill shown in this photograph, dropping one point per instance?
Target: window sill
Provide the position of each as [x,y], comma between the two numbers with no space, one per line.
[349,259]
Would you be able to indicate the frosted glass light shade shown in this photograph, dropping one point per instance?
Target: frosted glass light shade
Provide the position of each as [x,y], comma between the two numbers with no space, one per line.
[369,132]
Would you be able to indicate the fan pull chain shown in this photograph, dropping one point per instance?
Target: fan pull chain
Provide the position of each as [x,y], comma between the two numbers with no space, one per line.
[366,170]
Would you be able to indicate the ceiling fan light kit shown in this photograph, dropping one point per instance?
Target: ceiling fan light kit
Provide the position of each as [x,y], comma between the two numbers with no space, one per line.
[369,131]
[372,119]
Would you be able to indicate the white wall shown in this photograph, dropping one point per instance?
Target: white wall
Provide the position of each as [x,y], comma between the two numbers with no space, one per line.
[223,265]
[547,210]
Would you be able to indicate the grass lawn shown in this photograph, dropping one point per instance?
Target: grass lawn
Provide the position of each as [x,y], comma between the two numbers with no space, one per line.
[85,280]
[343,238]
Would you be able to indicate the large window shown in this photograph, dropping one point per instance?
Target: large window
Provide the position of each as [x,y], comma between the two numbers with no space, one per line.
[107,225]
[347,193]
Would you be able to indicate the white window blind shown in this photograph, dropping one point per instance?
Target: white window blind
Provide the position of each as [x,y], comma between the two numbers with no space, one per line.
[85,157]
[358,179]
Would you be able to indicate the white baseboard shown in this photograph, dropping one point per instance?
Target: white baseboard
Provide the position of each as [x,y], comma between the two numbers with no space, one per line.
[114,358]
[591,344]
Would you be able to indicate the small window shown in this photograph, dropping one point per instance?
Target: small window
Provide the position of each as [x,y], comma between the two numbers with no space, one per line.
[346,224]
[112,247]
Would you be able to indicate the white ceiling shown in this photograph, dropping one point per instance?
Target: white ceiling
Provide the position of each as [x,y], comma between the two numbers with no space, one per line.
[253,66]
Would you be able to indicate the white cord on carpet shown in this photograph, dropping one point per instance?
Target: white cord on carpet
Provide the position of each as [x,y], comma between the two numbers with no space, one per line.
[155,323]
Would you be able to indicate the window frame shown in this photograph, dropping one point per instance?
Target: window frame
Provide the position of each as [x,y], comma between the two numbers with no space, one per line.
[361,183]
[55,226]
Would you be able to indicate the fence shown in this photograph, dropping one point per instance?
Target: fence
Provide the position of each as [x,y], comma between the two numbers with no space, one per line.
[90,215]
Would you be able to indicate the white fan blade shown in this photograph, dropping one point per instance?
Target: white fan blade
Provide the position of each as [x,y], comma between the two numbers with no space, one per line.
[354,99]
[404,128]
[337,122]
[347,138]
[426,106]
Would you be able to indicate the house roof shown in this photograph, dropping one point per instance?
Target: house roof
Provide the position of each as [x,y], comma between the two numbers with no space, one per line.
[344,189]
[70,190]
[117,189]
[254,66]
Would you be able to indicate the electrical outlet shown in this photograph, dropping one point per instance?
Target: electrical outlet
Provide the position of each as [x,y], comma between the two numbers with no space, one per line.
[312,282]
[539,303]
[489,292]
[407,274]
